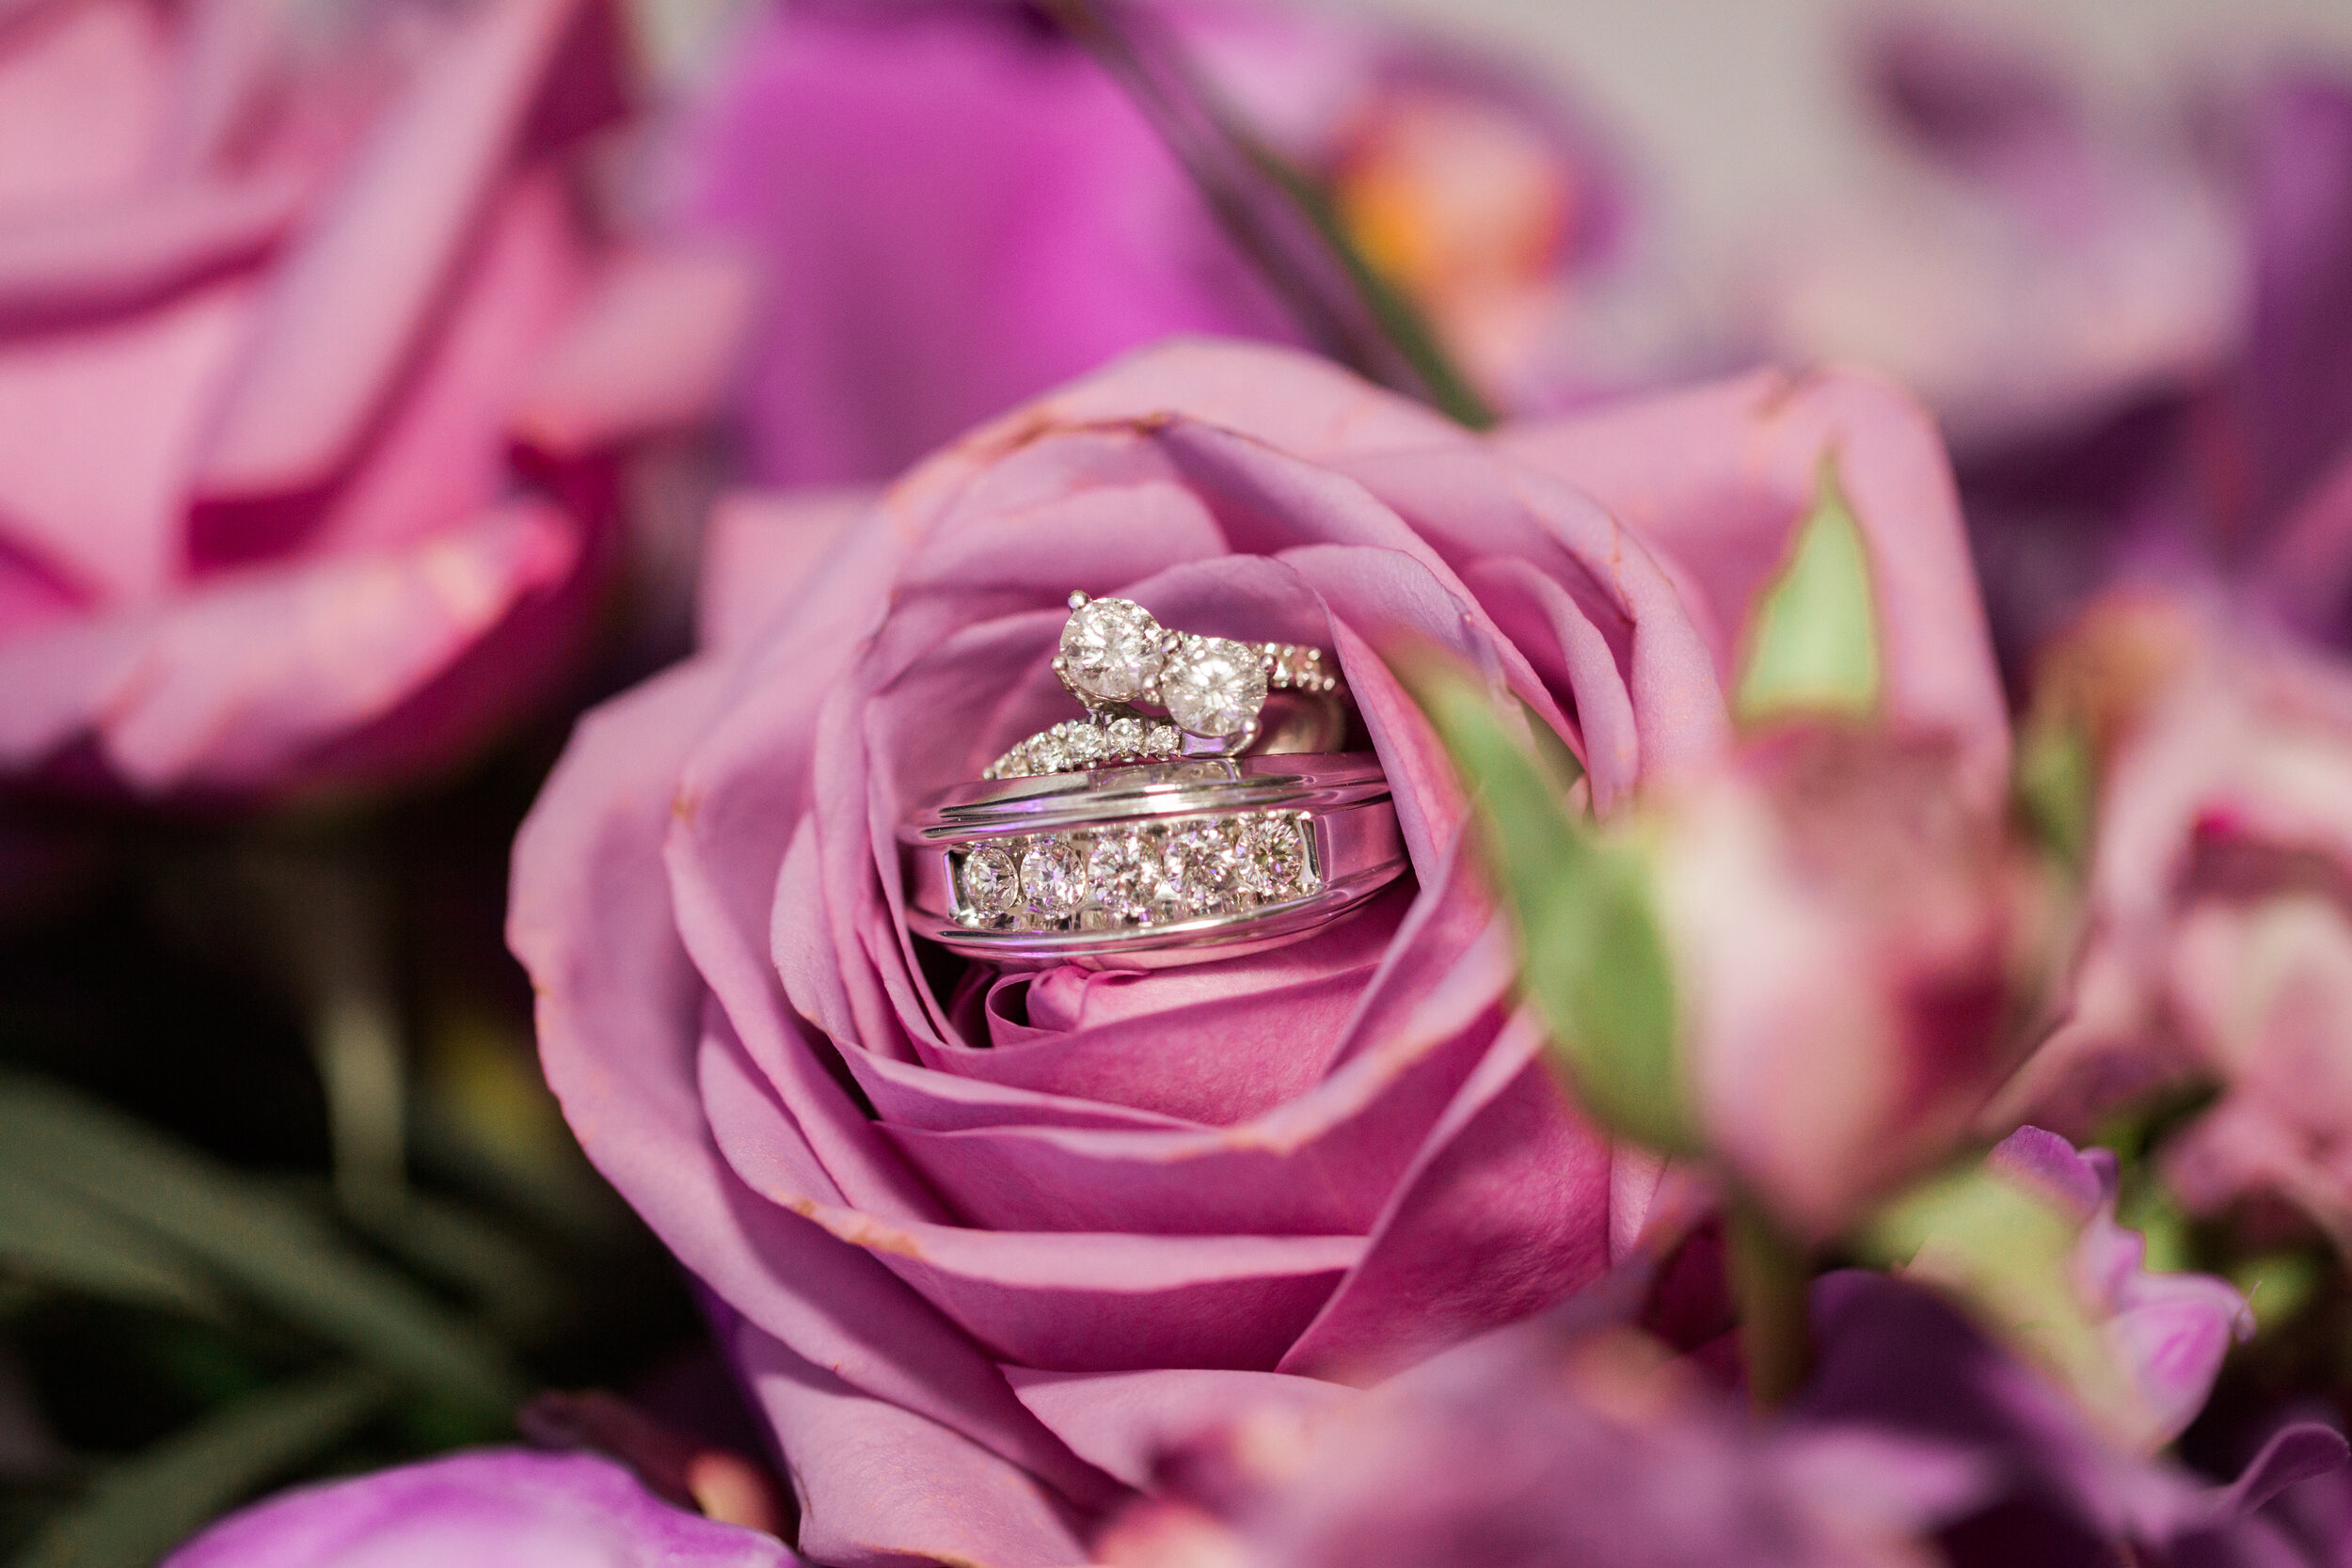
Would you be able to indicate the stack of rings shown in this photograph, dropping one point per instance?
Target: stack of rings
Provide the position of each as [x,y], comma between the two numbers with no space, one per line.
[1229,825]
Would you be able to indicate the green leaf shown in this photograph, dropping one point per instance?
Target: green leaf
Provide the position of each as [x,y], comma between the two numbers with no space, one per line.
[140,1510]
[262,1243]
[450,1244]
[1596,961]
[1814,646]
[57,1239]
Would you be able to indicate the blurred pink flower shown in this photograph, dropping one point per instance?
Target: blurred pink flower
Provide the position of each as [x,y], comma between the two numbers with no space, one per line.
[1855,942]
[2131,317]
[2219,943]
[2024,262]
[300,479]
[1569,1439]
[2163,1335]
[485,1509]
[988,1236]
[1547,1443]
[951,207]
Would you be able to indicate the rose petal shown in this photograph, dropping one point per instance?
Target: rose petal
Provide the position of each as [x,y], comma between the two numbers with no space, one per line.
[882,1485]
[1125,1422]
[591,922]
[1074,1301]
[760,550]
[240,681]
[652,349]
[345,311]
[1506,1211]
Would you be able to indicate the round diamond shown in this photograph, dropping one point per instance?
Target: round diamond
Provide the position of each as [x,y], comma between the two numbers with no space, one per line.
[990,885]
[1197,869]
[1214,685]
[1053,878]
[1110,650]
[1116,877]
[1124,737]
[1084,743]
[1164,741]
[1271,860]
[1047,753]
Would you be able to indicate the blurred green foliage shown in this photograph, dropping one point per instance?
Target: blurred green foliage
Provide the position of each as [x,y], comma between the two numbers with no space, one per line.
[193,1307]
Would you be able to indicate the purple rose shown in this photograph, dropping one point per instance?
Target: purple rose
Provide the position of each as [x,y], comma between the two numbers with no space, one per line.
[951,207]
[987,1237]
[313,371]
[487,1509]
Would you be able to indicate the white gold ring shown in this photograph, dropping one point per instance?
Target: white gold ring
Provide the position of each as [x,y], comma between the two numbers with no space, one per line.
[1159,863]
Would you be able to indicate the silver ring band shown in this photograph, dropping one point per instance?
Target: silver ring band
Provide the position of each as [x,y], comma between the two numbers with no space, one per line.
[1113,737]
[1161,864]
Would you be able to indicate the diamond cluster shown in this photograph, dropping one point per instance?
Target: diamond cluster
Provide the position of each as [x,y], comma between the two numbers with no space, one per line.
[1132,875]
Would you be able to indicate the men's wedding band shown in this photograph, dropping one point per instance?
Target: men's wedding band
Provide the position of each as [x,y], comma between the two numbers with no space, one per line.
[1155,864]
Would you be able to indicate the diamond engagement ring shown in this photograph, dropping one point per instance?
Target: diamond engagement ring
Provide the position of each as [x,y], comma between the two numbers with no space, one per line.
[1222,696]
[1157,865]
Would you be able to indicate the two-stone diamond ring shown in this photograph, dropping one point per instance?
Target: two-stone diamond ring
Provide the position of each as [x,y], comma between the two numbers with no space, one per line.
[1221,697]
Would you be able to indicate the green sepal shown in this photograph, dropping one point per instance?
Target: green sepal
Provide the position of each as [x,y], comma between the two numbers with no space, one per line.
[1595,960]
[1814,646]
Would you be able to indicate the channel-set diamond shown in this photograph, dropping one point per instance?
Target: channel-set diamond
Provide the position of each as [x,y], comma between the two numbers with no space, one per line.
[989,882]
[1184,868]
[1054,876]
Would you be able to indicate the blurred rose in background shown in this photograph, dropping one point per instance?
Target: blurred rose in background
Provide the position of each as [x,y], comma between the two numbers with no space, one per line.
[952,206]
[316,356]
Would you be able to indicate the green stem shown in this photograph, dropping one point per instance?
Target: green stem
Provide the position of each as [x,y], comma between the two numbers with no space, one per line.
[1770,1276]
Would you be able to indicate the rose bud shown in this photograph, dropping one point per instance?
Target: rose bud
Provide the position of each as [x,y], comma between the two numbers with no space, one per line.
[1684,957]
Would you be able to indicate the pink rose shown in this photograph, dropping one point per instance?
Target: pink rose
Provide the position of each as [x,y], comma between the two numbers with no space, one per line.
[986,1241]
[2218,948]
[309,355]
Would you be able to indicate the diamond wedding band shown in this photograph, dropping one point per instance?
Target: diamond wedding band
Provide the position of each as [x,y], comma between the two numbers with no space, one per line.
[1157,865]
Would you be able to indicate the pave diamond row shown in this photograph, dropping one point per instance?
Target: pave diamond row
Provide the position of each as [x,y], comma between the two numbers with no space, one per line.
[1100,741]
[1184,868]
